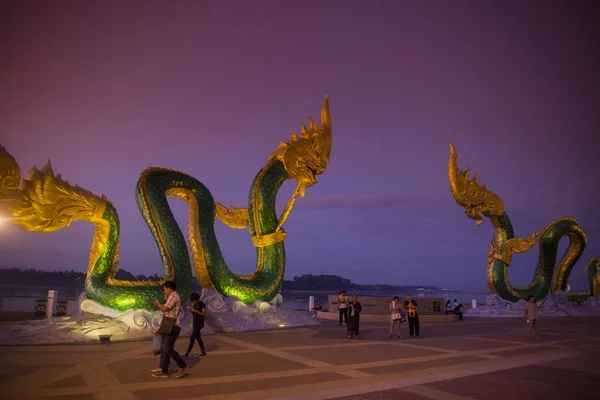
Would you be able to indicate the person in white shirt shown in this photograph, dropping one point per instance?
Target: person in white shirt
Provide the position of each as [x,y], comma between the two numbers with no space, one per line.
[395,309]
[343,307]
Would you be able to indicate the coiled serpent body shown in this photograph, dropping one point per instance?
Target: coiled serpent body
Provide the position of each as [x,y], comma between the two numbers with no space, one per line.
[44,202]
[550,273]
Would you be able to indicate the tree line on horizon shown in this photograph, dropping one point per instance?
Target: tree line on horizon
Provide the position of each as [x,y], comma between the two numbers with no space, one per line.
[37,277]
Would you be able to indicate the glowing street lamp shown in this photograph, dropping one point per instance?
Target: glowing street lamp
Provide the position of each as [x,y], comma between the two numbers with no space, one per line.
[4,221]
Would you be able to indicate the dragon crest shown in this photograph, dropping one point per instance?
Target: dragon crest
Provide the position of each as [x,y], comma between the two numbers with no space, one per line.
[306,156]
[476,199]
[42,201]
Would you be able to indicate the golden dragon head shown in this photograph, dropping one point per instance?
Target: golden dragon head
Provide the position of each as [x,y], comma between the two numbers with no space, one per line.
[475,198]
[307,156]
[43,202]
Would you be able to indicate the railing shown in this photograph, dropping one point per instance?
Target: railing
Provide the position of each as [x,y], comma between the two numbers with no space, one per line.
[38,306]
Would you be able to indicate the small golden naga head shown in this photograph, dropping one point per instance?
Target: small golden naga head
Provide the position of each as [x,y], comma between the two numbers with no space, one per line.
[42,201]
[475,198]
[307,156]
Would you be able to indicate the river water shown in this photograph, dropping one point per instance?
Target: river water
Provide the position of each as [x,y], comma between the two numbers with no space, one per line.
[292,299]
[298,299]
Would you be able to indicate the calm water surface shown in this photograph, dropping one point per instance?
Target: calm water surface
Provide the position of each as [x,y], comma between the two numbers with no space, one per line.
[292,299]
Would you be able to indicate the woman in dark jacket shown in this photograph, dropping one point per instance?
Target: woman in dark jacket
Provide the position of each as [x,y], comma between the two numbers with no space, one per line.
[354,309]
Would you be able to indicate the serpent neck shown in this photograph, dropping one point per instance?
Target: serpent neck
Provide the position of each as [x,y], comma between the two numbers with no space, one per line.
[263,194]
[104,254]
[211,269]
[502,228]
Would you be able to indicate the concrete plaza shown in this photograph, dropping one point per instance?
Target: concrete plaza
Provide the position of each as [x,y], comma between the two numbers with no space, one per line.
[472,359]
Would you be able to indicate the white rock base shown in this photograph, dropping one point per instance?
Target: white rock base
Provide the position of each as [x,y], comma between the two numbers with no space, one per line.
[555,305]
[225,314]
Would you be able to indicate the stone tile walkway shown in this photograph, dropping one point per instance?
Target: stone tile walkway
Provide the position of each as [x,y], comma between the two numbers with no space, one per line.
[473,359]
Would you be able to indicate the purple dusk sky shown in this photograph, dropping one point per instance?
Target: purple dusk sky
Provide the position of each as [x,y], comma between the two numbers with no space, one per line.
[105,89]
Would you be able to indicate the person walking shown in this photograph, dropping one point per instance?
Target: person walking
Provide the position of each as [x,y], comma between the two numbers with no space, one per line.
[171,309]
[198,310]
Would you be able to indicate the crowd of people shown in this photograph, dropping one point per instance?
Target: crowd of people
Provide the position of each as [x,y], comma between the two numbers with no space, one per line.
[350,309]
[349,314]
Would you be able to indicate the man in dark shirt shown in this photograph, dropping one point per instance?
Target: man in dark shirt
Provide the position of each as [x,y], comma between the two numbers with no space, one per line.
[411,308]
[198,310]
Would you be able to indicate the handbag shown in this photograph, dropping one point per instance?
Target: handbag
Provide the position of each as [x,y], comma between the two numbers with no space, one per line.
[167,324]
[157,344]
[402,317]
[396,316]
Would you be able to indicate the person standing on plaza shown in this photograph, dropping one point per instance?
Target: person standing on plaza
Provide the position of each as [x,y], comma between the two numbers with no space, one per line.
[411,309]
[343,307]
[171,309]
[396,312]
[449,309]
[353,324]
[458,310]
[531,316]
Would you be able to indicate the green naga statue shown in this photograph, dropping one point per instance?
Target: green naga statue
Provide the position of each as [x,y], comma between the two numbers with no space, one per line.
[479,201]
[44,202]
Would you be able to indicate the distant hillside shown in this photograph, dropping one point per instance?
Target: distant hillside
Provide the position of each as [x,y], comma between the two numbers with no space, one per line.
[73,279]
[36,277]
[337,283]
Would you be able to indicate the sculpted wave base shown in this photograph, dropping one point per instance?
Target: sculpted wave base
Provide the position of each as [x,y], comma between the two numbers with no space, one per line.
[226,314]
[555,305]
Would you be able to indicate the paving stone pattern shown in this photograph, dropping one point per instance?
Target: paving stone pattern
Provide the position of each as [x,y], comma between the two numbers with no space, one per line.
[483,359]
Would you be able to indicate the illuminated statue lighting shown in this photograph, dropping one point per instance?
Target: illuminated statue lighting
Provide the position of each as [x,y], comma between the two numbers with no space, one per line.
[44,202]
[478,201]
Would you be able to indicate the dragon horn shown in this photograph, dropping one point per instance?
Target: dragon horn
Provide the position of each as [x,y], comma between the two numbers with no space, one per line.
[304,131]
[454,174]
[47,168]
[325,116]
[312,125]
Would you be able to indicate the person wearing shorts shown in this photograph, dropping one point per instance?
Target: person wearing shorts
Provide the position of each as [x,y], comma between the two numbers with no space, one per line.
[396,314]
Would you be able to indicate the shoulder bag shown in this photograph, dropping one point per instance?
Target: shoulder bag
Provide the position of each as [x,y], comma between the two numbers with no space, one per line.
[167,324]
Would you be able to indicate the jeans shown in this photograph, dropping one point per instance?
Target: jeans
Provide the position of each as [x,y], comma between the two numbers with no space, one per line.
[195,337]
[168,351]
